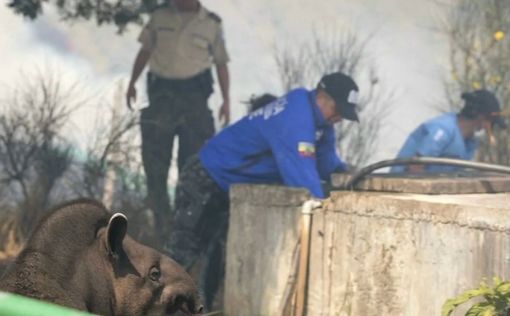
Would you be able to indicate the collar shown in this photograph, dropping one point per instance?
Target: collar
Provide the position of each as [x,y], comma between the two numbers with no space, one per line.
[201,13]
[320,121]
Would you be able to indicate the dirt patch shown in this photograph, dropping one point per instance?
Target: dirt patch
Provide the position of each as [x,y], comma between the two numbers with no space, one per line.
[4,264]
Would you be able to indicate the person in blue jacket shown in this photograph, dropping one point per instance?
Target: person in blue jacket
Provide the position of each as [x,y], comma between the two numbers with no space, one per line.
[452,135]
[290,140]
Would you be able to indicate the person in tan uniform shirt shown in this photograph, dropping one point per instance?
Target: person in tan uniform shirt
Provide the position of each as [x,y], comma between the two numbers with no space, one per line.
[181,42]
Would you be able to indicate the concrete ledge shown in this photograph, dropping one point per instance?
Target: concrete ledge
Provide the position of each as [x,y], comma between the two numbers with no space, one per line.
[273,195]
[476,211]
[431,184]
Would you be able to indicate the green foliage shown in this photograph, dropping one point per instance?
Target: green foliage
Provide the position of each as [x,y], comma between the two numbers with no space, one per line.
[496,300]
[478,34]
[118,12]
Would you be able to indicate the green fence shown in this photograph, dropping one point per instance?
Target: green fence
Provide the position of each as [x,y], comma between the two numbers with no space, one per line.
[16,305]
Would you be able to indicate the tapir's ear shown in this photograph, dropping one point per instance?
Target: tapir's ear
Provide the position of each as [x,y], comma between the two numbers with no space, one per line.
[115,233]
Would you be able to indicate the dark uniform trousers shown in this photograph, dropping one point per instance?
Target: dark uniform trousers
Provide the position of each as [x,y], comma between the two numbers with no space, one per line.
[176,108]
[199,226]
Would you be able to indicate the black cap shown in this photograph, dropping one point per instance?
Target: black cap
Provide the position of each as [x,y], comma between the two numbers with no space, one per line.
[484,102]
[345,93]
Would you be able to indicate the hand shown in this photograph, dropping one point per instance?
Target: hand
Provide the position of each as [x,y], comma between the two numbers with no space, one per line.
[130,95]
[224,114]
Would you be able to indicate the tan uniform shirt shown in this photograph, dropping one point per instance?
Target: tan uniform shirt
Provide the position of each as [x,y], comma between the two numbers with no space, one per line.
[183,44]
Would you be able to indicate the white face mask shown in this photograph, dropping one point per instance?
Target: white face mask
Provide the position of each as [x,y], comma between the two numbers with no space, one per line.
[481,134]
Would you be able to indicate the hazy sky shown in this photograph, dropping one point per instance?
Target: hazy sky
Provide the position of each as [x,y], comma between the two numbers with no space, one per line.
[411,56]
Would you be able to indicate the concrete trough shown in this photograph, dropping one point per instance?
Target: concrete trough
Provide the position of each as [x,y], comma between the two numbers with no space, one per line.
[372,253]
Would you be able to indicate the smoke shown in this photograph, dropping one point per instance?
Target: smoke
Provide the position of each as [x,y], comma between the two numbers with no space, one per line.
[409,54]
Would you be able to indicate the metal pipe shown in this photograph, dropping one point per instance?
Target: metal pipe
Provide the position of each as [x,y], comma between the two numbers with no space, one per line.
[289,295]
[304,257]
[358,176]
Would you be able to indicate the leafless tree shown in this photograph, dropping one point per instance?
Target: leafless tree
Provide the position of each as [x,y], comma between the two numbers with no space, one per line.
[327,52]
[110,146]
[479,54]
[40,166]
[33,153]
[111,169]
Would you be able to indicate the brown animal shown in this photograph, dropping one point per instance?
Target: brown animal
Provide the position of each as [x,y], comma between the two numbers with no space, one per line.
[79,256]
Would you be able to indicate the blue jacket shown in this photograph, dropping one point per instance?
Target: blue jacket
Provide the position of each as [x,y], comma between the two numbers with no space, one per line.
[287,141]
[439,137]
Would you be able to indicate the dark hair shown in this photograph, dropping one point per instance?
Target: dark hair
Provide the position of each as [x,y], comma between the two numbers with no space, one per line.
[469,110]
[256,102]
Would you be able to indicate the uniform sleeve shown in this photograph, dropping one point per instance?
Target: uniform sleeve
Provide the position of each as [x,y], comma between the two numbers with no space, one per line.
[291,136]
[218,47]
[327,157]
[435,140]
[148,36]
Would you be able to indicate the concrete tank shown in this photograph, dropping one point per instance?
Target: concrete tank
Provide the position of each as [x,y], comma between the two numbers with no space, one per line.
[372,253]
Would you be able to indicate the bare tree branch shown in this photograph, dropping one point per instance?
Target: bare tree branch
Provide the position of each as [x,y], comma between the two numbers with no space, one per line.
[478,32]
[332,51]
[33,154]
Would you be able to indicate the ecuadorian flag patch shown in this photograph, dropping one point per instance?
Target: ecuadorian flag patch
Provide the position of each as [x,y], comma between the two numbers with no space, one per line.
[306,149]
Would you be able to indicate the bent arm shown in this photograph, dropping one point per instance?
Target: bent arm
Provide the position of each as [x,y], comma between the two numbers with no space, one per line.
[328,160]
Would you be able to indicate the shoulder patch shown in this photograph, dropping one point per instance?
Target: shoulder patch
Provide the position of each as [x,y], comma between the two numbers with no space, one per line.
[439,135]
[214,16]
[306,149]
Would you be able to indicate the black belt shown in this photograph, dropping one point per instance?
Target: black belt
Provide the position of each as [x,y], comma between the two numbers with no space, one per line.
[196,80]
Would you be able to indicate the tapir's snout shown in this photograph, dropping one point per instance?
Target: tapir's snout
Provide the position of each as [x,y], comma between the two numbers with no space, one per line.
[180,294]
[184,303]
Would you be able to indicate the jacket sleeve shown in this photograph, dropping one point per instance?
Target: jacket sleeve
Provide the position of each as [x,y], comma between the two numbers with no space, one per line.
[327,157]
[434,142]
[291,136]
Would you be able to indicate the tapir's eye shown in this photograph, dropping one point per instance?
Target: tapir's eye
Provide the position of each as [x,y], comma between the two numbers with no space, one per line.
[154,274]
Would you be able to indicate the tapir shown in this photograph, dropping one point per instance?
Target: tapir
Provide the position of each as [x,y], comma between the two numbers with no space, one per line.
[80,256]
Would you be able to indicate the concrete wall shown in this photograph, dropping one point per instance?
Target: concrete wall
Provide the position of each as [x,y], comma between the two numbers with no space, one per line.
[264,230]
[372,253]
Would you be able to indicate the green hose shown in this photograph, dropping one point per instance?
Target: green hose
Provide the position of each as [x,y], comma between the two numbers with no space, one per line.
[16,305]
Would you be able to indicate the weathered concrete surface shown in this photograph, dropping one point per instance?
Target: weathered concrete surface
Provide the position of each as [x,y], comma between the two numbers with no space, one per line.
[436,184]
[372,253]
[262,237]
[390,254]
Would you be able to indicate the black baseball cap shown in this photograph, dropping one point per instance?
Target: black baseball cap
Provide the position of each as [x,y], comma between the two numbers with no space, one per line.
[344,91]
[484,102]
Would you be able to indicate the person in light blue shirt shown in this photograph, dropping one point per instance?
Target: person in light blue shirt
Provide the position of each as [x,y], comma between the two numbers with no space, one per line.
[452,135]
[290,141]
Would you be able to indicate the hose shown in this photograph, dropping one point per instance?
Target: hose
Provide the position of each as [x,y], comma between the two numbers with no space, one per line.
[359,175]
